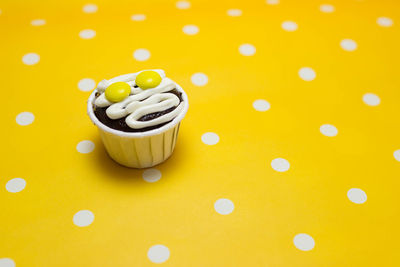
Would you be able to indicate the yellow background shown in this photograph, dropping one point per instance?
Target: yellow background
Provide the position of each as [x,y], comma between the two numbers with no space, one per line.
[131,215]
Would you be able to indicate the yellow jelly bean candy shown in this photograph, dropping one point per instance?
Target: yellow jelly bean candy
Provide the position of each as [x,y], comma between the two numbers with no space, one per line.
[118,91]
[148,79]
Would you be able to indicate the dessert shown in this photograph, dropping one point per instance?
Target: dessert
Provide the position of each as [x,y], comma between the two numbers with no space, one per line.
[138,116]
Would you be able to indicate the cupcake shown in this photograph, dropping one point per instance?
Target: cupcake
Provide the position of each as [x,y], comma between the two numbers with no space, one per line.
[138,117]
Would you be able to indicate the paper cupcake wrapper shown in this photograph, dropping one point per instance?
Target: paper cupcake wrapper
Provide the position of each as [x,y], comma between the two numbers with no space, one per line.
[141,152]
[140,149]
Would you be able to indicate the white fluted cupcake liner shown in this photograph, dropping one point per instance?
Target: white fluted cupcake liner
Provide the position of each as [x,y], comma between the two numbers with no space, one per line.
[140,150]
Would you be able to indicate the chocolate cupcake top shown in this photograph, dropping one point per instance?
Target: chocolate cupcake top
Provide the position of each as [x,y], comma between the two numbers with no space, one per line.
[143,100]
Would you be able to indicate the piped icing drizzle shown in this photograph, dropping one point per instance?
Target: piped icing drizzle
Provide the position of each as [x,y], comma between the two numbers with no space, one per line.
[141,102]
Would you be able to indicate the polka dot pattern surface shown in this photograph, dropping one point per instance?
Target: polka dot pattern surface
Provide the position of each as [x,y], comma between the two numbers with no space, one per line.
[87,34]
[85,146]
[261,105]
[86,84]
[182,4]
[357,196]
[25,118]
[304,242]
[224,206]
[328,130]
[280,165]
[90,8]
[384,21]
[141,54]
[158,254]
[210,138]
[190,29]
[348,45]
[138,17]
[371,99]
[31,59]
[83,218]
[151,175]
[15,185]
[234,12]
[289,26]
[307,74]
[247,49]
[38,22]
[199,79]
[289,154]
[7,262]
[327,8]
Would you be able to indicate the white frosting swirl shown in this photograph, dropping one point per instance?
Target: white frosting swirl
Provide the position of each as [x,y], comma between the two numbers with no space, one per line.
[141,102]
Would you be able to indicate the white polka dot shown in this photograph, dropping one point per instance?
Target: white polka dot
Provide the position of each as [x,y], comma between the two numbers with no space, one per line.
[158,253]
[151,175]
[15,185]
[304,242]
[348,44]
[234,12]
[307,74]
[86,84]
[89,8]
[357,196]
[396,154]
[280,165]
[138,17]
[7,262]
[30,58]
[85,146]
[25,118]
[83,218]
[210,138]
[38,22]
[289,26]
[141,54]
[224,206]
[328,130]
[261,105]
[384,21]
[247,49]
[190,29]
[371,99]
[182,4]
[272,2]
[326,8]
[199,79]
[87,34]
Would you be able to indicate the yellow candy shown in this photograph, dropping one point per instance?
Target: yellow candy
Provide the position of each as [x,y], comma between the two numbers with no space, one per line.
[118,91]
[148,79]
